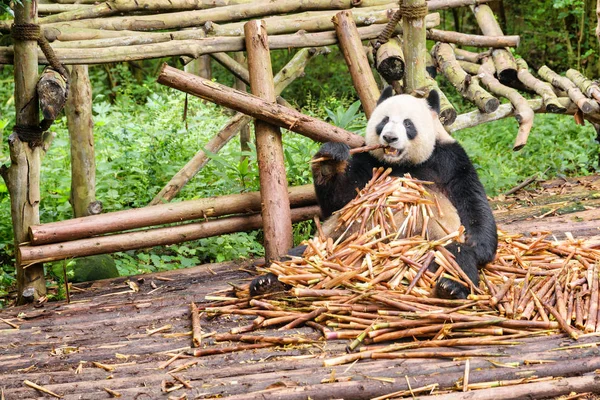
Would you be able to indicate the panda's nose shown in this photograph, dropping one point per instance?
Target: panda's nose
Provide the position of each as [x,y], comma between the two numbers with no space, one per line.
[390,138]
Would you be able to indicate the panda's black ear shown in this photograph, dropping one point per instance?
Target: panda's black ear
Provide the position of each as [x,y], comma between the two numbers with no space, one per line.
[386,94]
[433,99]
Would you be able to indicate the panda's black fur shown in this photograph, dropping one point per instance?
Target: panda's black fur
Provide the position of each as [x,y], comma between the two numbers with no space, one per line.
[438,158]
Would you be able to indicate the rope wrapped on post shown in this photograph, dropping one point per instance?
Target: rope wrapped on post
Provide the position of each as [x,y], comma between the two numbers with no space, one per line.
[404,11]
[33,32]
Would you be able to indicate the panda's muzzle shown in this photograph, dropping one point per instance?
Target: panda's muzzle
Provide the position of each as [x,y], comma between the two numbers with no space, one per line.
[392,151]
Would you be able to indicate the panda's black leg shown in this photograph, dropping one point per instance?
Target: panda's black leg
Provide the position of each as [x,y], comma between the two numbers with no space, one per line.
[269,283]
[450,289]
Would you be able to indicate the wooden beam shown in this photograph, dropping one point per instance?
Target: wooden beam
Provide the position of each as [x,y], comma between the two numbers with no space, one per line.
[28,255]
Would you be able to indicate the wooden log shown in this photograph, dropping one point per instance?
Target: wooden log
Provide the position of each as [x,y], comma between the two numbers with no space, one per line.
[467,85]
[312,21]
[356,60]
[542,88]
[52,8]
[81,136]
[475,118]
[472,40]
[447,111]
[586,105]
[554,388]
[523,114]
[504,62]
[275,114]
[275,211]
[187,19]
[113,7]
[414,44]
[117,49]
[52,90]
[26,255]
[22,177]
[587,86]
[294,68]
[161,214]
[390,60]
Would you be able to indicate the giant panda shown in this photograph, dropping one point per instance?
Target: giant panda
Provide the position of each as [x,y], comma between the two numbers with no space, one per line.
[415,143]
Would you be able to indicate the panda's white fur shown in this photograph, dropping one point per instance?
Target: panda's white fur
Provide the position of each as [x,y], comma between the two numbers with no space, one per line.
[405,151]
[399,109]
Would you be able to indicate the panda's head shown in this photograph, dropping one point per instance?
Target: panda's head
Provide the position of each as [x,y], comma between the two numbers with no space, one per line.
[407,125]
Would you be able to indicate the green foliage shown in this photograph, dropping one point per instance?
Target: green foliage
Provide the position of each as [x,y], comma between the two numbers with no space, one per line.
[556,144]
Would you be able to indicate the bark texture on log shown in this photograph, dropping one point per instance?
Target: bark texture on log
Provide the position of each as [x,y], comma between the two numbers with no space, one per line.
[118,221]
[149,238]
[466,84]
[504,62]
[586,105]
[542,88]
[523,113]
[277,224]
[414,47]
[390,60]
[23,175]
[356,60]
[248,104]
[81,134]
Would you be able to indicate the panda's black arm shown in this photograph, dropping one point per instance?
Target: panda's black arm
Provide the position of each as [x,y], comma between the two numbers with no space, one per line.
[337,179]
[465,191]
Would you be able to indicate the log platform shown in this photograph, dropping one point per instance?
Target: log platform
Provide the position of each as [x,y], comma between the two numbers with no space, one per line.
[107,343]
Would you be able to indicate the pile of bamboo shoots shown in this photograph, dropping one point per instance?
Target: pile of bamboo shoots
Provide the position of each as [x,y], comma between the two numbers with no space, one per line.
[374,285]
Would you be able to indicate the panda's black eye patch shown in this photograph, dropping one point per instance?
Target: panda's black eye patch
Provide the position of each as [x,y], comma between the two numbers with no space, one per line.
[381,125]
[411,130]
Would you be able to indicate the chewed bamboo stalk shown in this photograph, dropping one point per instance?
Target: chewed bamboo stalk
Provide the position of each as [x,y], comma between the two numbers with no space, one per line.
[373,285]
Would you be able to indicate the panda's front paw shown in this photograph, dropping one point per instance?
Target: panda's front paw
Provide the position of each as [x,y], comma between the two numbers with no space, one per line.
[449,289]
[268,283]
[334,151]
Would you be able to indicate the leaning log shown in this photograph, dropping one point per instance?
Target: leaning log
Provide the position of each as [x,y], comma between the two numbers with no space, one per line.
[293,69]
[504,62]
[273,113]
[118,221]
[587,86]
[542,88]
[275,210]
[523,112]
[356,60]
[27,255]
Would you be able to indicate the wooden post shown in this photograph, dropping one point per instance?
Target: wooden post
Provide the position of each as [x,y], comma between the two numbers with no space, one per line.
[356,59]
[276,216]
[414,45]
[241,86]
[23,176]
[81,135]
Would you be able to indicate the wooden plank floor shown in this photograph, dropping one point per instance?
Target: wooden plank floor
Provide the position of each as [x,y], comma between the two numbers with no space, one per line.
[106,322]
